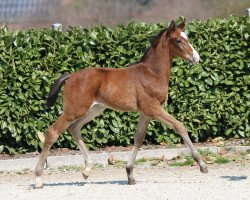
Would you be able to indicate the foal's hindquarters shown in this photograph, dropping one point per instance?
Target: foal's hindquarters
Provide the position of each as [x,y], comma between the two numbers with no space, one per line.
[79,109]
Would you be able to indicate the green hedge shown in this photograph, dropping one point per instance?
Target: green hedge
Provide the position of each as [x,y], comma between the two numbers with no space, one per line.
[211,98]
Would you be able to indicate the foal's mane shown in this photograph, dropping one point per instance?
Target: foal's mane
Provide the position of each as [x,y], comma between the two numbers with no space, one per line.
[156,39]
[154,42]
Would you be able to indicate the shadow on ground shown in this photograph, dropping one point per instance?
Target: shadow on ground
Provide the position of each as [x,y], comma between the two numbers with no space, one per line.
[234,178]
[80,183]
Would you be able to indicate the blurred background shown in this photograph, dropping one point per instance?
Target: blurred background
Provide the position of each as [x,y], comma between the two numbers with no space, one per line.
[22,14]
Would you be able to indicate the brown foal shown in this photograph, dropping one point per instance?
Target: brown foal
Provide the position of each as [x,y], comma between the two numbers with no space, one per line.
[141,87]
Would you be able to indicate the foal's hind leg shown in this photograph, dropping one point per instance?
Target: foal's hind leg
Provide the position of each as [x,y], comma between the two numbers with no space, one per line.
[75,131]
[163,116]
[51,136]
[139,137]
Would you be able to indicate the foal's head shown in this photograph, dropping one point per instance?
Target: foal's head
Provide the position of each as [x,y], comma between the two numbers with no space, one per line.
[178,43]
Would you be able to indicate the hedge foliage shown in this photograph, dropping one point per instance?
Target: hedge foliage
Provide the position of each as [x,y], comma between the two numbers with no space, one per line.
[211,98]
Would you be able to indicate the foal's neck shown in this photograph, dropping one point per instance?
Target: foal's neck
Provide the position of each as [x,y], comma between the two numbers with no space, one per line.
[158,60]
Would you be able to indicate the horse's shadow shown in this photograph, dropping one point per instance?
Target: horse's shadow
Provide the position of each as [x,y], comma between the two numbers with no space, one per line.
[82,183]
[234,178]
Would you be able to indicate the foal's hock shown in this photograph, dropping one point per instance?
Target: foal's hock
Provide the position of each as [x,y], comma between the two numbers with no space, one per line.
[141,87]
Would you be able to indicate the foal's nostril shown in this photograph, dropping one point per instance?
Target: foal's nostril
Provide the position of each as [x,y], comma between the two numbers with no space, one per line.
[194,59]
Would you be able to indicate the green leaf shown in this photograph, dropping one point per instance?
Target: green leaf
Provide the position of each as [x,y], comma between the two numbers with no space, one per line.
[1,148]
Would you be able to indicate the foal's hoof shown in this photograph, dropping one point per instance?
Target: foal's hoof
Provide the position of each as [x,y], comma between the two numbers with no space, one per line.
[131,182]
[85,176]
[39,186]
[86,173]
[204,169]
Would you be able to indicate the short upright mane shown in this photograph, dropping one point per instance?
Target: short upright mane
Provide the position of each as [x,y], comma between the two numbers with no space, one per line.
[154,42]
[156,38]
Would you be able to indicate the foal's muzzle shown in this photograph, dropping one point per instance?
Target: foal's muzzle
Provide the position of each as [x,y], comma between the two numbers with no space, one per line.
[194,58]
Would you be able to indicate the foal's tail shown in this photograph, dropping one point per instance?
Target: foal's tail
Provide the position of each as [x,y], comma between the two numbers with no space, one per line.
[51,99]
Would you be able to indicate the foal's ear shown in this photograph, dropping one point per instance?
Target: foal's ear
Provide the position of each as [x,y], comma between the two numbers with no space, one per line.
[171,28]
[182,24]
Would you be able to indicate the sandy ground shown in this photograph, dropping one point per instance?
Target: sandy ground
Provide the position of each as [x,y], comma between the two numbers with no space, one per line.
[229,181]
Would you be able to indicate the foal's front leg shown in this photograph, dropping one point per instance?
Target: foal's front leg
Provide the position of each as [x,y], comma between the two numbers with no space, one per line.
[166,118]
[139,137]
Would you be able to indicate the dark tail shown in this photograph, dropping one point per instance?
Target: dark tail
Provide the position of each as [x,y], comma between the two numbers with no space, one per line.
[51,99]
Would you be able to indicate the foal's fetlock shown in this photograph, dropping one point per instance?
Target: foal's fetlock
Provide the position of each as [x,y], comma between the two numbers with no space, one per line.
[131,180]
[203,168]
[201,163]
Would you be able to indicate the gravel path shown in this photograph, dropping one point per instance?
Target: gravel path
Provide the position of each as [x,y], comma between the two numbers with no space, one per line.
[229,181]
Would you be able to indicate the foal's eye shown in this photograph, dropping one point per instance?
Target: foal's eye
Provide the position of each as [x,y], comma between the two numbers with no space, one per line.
[178,41]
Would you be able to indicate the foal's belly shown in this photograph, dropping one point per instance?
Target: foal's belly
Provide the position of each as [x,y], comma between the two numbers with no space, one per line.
[118,96]
[118,101]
